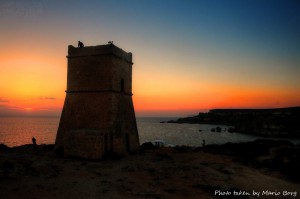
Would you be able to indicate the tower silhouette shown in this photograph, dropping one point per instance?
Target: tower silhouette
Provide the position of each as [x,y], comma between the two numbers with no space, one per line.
[98,115]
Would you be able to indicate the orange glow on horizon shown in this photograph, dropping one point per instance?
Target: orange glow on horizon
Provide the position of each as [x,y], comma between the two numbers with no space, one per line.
[34,82]
[31,81]
[229,97]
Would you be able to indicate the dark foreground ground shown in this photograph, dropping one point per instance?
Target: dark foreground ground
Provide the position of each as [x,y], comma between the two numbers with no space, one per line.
[266,167]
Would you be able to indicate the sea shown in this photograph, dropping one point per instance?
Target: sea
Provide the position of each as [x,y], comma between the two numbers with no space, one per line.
[16,131]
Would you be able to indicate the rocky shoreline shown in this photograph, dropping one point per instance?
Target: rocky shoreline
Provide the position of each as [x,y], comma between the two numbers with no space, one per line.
[170,172]
[278,122]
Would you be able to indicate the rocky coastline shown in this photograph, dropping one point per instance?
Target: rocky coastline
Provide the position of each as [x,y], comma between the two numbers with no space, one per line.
[279,122]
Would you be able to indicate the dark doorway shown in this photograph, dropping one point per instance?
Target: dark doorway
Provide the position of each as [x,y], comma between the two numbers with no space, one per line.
[122,85]
[105,143]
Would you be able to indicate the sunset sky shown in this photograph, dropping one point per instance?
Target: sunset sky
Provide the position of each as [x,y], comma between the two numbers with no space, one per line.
[189,55]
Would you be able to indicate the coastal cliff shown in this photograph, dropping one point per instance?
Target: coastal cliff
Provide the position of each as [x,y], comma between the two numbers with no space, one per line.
[279,122]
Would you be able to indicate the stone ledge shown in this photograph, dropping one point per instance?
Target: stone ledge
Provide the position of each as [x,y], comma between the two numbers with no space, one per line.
[99,50]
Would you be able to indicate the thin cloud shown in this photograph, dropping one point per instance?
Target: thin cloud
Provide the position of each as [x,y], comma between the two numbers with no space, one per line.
[3,100]
[6,110]
[47,98]
[45,109]
[11,107]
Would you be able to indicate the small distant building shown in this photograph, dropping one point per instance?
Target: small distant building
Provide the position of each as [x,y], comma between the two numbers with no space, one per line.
[98,115]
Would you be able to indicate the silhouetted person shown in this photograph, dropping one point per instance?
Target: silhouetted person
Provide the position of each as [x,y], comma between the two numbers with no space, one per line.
[34,143]
[80,44]
[203,143]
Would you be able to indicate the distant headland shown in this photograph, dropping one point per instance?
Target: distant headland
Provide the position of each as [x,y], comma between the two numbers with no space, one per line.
[276,122]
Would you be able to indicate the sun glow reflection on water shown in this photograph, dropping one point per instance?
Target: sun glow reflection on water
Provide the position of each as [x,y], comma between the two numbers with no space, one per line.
[15,131]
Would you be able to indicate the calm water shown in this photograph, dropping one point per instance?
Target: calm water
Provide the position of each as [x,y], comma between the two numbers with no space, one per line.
[16,131]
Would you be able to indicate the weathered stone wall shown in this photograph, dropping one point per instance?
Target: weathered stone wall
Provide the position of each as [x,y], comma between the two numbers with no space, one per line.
[122,69]
[98,114]
[89,73]
[125,124]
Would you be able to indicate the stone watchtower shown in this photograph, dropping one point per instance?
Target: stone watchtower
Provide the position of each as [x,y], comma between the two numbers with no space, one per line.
[98,115]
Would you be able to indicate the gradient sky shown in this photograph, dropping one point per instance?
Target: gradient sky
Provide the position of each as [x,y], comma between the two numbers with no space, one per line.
[189,56]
